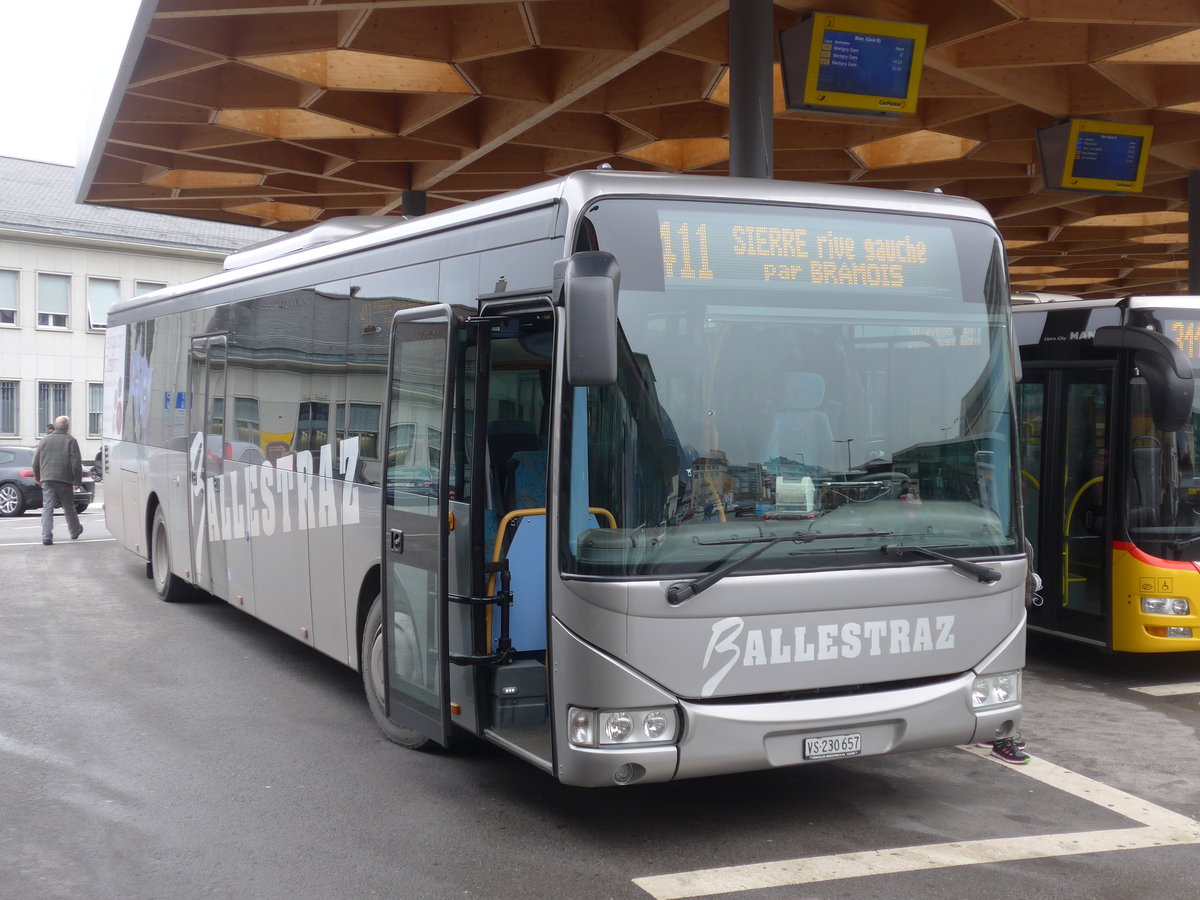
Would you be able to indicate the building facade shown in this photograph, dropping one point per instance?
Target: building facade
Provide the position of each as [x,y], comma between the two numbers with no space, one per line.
[62,266]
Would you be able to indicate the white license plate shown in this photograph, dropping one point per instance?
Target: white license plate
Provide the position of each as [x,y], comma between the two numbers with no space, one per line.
[832,746]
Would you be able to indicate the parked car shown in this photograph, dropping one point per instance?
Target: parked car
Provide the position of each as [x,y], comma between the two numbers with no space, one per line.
[18,490]
[413,480]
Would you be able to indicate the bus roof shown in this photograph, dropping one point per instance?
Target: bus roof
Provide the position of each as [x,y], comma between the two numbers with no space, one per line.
[1032,300]
[578,188]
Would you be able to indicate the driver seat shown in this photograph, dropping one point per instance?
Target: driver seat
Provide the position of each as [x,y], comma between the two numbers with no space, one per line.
[801,430]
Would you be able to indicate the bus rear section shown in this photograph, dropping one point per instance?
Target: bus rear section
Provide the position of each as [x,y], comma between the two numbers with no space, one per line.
[1109,478]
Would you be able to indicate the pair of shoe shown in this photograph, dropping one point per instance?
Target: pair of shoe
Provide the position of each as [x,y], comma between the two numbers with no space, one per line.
[47,541]
[78,533]
[987,745]
[1010,750]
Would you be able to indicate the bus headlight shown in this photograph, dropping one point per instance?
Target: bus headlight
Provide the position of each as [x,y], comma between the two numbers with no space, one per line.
[619,727]
[996,690]
[1165,606]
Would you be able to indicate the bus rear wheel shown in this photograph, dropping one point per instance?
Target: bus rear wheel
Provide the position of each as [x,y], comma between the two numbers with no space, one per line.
[170,588]
[371,663]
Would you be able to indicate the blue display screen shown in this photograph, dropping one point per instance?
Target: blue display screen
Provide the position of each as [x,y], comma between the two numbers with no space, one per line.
[1110,157]
[870,64]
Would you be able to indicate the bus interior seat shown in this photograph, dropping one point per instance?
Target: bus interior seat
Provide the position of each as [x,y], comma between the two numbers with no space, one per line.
[527,554]
[529,479]
[505,438]
[801,430]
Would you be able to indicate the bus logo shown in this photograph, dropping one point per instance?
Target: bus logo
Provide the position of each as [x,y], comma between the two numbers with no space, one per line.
[732,643]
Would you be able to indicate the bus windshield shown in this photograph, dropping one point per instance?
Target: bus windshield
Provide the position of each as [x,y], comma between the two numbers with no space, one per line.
[788,370]
[1163,481]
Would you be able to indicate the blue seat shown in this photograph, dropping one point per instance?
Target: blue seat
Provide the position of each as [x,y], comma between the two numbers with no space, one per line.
[527,554]
[801,430]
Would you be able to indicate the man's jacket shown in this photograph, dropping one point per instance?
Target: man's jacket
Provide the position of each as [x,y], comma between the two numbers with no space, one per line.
[57,459]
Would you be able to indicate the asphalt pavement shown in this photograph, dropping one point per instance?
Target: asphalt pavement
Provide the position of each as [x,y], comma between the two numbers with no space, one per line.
[151,750]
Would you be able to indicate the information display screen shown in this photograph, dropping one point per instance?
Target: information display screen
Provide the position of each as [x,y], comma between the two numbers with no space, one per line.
[1114,157]
[800,252]
[1093,156]
[852,65]
[869,64]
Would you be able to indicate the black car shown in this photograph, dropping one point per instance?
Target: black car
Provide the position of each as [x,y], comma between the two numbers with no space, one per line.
[18,490]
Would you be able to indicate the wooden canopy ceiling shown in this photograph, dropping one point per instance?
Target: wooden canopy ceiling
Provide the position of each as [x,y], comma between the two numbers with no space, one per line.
[286,112]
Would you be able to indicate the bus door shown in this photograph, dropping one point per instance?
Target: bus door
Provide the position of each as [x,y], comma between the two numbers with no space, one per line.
[1067,496]
[511,452]
[416,520]
[205,460]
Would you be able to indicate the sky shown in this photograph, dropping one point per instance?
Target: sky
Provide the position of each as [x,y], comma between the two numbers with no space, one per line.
[56,73]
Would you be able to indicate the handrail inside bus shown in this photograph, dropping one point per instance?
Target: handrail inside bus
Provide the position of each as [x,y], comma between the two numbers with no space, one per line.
[498,549]
[1066,552]
[1032,480]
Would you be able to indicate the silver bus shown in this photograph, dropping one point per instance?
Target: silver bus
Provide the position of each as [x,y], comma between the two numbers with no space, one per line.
[639,476]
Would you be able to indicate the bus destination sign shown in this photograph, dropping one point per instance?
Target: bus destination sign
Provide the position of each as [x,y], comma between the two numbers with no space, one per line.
[1185,333]
[805,253]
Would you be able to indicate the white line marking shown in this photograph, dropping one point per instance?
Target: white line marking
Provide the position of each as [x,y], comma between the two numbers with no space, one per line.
[1170,690]
[1160,828]
[57,542]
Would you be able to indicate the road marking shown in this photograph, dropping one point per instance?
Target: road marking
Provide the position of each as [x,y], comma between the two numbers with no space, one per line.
[1159,828]
[1170,690]
[38,542]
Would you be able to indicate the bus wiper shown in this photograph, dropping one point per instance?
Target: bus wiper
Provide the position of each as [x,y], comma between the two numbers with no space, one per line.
[983,573]
[1180,543]
[677,593]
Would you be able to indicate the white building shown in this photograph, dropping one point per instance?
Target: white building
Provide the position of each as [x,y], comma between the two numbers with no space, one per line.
[62,265]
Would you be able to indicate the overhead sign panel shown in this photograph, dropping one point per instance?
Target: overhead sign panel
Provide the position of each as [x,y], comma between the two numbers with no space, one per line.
[852,65]
[1094,157]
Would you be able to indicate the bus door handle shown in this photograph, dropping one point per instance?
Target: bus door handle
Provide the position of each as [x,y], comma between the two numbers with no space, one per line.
[396,540]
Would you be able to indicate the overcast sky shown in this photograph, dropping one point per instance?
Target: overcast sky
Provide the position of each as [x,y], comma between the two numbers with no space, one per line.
[56,72]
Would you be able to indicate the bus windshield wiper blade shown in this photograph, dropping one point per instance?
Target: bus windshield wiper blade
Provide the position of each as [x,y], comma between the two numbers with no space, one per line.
[677,593]
[983,573]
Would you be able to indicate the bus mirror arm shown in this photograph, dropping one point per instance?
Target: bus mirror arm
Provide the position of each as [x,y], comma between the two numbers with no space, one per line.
[1167,371]
[587,284]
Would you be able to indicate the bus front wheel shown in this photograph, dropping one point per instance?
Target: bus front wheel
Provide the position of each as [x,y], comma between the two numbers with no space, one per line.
[170,588]
[371,663]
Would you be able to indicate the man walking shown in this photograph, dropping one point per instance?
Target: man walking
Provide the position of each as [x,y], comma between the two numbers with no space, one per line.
[58,467]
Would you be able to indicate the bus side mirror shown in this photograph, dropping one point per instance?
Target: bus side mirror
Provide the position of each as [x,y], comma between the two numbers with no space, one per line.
[590,281]
[1167,371]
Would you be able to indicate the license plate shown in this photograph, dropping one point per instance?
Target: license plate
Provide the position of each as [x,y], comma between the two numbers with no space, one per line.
[832,746]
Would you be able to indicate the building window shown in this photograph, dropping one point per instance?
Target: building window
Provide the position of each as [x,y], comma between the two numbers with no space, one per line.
[360,420]
[95,409]
[145,287]
[245,419]
[53,300]
[8,407]
[54,400]
[312,429]
[102,294]
[10,296]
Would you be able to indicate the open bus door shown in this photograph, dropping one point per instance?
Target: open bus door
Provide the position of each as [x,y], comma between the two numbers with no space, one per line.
[1067,498]
[415,551]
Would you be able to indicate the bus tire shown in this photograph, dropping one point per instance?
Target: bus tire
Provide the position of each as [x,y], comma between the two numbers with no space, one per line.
[170,588]
[371,664]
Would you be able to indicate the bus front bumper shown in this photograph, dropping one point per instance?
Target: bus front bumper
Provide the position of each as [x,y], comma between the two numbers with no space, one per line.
[721,738]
